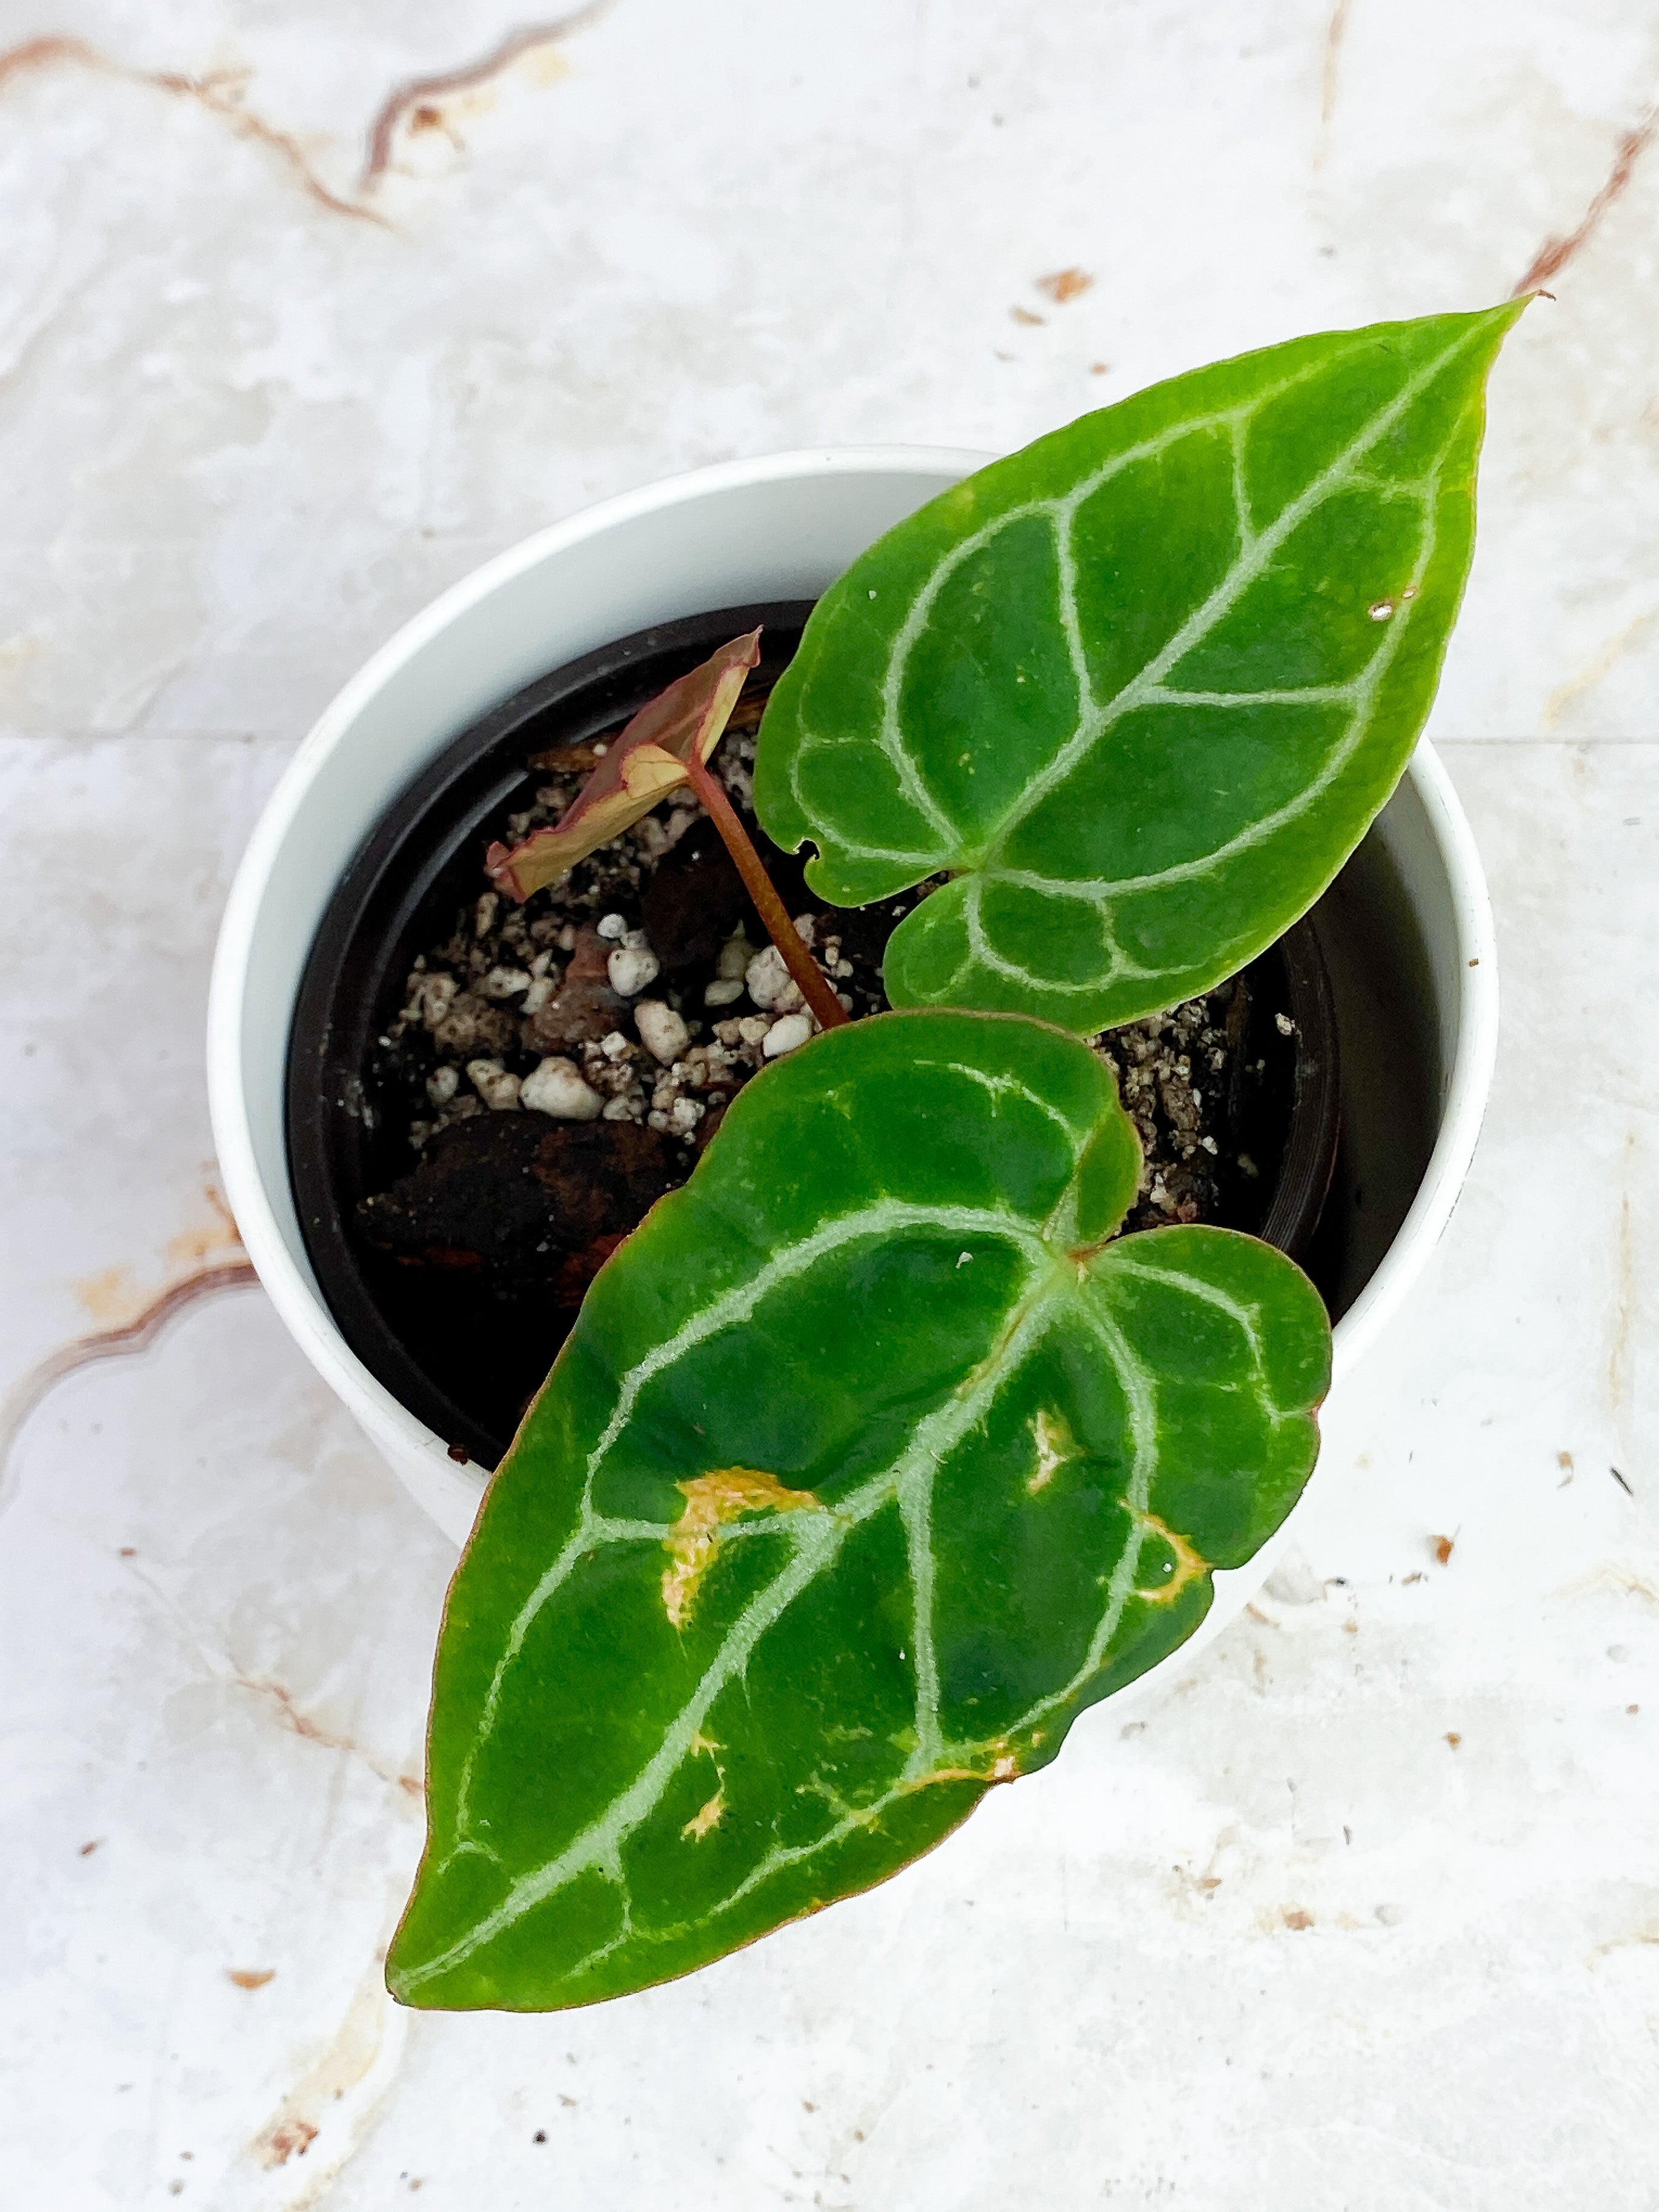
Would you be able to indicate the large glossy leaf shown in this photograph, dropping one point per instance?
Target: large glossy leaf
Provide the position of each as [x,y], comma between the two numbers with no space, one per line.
[1139,689]
[870,1462]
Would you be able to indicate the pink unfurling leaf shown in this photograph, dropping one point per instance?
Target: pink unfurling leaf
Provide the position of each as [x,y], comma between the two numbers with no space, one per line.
[641,767]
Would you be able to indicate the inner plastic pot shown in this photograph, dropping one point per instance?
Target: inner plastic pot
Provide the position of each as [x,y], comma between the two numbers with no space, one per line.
[464,1362]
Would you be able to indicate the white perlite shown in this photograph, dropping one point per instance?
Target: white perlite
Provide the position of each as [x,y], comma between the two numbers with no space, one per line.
[556,1088]
[431,998]
[787,1035]
[770,984]
[630,968]
[735,955]
[498,1090]
[442,1085]
[612,927]
[504,982]
[662,1032]
[722,991]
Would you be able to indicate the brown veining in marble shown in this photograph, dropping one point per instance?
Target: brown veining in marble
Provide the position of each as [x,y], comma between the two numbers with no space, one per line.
[412,104]
[133,1335]
[289,1715]
[343,2063]
[115,1297]
[1554,254]
[1566,695]
[417,99]
[219,91]
[1330,77]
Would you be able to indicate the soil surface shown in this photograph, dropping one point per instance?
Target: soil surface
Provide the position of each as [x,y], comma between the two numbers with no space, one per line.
[557,1066]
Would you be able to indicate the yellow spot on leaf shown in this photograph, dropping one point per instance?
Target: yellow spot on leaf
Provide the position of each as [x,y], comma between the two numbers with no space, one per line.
[699,1823]
[1055,1444]
[1189,1565]
[649,771]
[1003,1768]
[711,1499]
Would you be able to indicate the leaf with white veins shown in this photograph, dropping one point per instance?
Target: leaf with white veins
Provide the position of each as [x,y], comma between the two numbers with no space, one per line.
[1140,689]
[755,1610]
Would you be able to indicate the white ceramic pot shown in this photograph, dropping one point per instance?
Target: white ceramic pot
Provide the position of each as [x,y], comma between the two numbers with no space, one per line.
[773,529]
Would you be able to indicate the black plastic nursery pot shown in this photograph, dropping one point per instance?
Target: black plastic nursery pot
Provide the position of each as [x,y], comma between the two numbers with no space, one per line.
[464,1355]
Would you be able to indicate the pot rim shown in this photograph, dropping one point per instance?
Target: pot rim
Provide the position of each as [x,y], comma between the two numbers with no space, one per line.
[1468,1080]
[451,1493]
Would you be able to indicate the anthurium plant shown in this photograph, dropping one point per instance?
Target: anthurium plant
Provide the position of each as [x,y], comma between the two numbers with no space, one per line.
[877,1453]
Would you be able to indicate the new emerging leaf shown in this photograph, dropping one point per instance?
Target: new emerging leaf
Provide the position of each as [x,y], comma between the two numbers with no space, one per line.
[757,1606]
[1140,690]
[640,767]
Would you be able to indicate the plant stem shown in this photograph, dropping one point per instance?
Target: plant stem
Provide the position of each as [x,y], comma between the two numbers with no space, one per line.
[810,978]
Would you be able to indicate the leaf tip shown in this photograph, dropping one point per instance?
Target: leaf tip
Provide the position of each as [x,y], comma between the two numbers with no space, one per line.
[1507,313]
[500,867]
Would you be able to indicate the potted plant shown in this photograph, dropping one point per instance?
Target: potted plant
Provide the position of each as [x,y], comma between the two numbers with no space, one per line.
[647,978]
[877,1452]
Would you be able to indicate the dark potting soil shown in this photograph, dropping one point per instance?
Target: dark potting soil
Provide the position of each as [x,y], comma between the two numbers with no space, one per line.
[558,1066]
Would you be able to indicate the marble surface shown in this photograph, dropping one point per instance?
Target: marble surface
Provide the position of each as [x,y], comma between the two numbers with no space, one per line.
[303,311]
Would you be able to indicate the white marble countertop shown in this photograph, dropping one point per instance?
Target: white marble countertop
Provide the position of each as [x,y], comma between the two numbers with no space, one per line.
[304,310]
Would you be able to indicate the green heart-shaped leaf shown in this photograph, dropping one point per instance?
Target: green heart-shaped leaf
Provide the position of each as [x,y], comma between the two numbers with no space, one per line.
[1140,690]
[870,1462]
